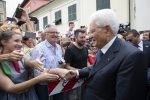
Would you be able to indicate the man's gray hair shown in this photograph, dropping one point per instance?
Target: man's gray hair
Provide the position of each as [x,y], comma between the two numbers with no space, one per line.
[106,17]
[47,26]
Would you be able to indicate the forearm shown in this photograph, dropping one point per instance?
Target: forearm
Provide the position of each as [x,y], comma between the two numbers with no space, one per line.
[71,68]
[15,88]
[27,62]
[30,26]
[4,57]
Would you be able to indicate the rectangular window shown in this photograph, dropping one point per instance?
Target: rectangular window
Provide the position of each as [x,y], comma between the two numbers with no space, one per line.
[37,26]
[72,13]
[26,28]
[58,17]
[102,4]
[28,10]
[1,17]
[1,7]
[44,21]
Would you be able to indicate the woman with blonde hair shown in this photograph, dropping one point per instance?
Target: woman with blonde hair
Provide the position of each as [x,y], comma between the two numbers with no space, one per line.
[14,79]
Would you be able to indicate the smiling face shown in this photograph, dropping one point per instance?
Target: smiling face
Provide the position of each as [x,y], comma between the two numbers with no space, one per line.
[93,48]
[80,38]
[51,35]
[11,41]
[100,35]
[146,36]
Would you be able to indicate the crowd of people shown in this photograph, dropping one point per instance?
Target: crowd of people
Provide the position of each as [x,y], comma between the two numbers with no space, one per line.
[115,69]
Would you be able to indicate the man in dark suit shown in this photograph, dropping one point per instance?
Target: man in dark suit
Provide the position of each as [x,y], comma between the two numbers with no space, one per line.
[134,37]
[120,69]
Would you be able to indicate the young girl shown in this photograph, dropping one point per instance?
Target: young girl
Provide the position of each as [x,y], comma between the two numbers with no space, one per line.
[15,72]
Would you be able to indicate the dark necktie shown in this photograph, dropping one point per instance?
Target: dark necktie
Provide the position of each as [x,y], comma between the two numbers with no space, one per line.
[99,55]
[136,45]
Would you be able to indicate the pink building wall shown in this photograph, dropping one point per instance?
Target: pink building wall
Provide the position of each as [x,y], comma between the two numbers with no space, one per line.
[34,4]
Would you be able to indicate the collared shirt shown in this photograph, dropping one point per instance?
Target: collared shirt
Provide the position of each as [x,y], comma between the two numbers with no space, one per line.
[141,45]
[107,46]
[50,58]
[104,50]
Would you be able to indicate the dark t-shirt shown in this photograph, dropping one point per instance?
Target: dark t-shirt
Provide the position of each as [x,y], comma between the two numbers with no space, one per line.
[76,57]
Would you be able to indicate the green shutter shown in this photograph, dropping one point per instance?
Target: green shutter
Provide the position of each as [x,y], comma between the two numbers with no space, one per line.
[57,17]
[37,26]
[102,4]
[44,21]
[72,12]
[26,28]
[106,3]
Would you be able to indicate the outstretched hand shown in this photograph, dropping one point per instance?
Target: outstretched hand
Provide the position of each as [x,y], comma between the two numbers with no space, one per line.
[45,76]
[65,74]
[37,64]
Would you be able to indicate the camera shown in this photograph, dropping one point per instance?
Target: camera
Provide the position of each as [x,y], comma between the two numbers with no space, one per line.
[82,27]
[124,27]
[61,61]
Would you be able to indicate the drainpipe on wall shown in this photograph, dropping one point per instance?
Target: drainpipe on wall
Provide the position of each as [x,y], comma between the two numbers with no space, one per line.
[129,14]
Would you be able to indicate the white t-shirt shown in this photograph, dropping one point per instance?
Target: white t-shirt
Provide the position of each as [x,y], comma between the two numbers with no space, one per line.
[69,32]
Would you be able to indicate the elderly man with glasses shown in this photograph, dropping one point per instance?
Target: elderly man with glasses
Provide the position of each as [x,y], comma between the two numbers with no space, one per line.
[52,54]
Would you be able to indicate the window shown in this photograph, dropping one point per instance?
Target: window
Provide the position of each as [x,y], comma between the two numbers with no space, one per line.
[72,13]
[44,21]
[28,10]
[57,18]
[102,4]
[26,28]
[1,17]
[1,7]
[37,26]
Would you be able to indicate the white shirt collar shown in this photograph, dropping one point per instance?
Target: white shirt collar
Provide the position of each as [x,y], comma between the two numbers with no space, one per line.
[141,45]
[107,46]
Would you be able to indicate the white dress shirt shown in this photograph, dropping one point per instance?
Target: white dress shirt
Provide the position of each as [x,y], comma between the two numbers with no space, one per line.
[141,45]
[104,50]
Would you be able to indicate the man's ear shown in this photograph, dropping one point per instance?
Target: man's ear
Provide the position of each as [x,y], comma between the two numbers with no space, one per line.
[138,36]
[4,42]
[108,29]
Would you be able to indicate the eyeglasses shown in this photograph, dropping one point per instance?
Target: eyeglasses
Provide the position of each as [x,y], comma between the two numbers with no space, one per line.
[52,32]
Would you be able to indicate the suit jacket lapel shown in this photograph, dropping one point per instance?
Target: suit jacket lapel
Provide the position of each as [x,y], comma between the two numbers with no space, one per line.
[145,47]
[107,57]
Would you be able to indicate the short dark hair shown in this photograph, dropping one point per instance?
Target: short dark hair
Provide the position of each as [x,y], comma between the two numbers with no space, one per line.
[133,31]
[71,23]
[77,31]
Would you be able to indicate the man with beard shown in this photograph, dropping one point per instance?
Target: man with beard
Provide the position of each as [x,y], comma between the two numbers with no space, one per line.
[76,58]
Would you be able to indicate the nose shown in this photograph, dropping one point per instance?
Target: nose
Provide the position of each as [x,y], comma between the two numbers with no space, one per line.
[20,44]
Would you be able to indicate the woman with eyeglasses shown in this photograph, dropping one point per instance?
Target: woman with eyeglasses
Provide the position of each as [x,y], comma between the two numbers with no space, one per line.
[14,83]
[92,54]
